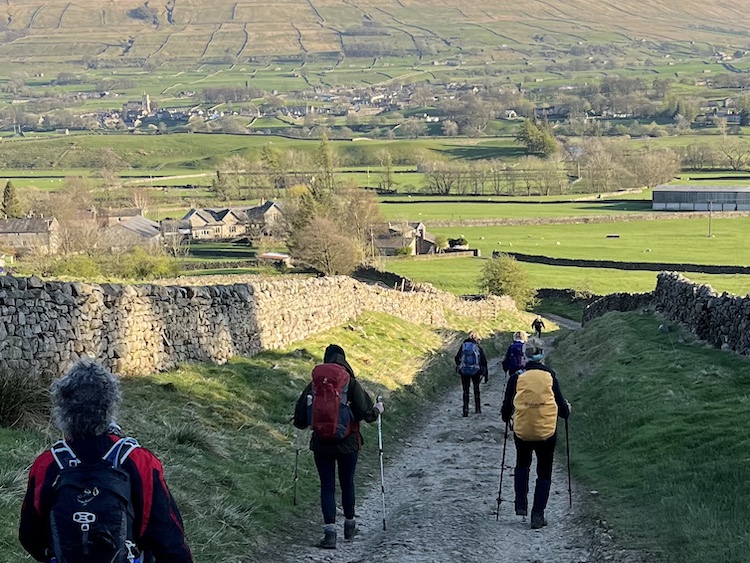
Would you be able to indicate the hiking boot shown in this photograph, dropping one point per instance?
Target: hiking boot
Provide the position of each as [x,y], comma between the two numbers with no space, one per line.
[350,529]
[466,412]
[329,540]
[537,520]
[521,510]
[478,410]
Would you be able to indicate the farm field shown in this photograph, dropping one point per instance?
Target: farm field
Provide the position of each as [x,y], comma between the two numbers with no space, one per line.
[497,208]
[680,241]
[459,275]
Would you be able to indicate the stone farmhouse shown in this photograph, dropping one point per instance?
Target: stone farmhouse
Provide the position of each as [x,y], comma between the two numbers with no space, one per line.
[411,236]
[232,222]
[31,233]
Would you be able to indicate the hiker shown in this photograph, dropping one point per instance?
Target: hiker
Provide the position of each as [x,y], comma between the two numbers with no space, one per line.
[515,359]
[96,495]
[534,401]
[336,439]
[471,365]
[537,326]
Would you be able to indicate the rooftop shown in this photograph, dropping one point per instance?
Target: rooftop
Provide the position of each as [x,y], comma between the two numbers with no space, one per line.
[700,189]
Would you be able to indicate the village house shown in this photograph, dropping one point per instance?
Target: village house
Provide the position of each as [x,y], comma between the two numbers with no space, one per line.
[409,239]
[30,234]
[232,222]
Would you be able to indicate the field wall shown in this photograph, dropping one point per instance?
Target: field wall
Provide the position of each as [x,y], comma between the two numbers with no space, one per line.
[140,329]
[722,320]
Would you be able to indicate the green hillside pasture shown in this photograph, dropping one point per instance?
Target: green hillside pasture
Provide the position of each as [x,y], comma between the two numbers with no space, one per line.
[190,152]
[459,275]
[672,241]
[656,430]
[491,209]
[224,436]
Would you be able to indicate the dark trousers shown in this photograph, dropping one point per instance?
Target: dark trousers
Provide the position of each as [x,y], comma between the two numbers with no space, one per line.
[326,464]
[545,452]
[466,381]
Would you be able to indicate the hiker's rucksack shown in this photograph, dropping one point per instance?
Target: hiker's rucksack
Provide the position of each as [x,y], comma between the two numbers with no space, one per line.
[535,409]
[515,359]
[329,413]
[91,517]
[469,364]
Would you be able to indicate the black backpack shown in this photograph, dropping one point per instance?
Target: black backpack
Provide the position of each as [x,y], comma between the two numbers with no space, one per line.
[92,513]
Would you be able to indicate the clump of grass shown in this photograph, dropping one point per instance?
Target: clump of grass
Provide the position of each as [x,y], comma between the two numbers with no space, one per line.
[24,399]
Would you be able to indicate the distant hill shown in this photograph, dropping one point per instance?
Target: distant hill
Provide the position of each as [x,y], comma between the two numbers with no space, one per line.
[238,30]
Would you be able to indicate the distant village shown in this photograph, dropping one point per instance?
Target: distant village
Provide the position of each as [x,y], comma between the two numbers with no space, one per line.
[360,102]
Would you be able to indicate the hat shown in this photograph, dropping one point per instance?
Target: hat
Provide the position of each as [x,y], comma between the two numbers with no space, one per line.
[534,347]
[86,400]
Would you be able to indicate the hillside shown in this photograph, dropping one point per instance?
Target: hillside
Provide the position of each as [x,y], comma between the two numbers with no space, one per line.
[236,31]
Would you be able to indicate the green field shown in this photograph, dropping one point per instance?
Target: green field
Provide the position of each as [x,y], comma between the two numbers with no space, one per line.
[459,275]
[496,208]
[669,241]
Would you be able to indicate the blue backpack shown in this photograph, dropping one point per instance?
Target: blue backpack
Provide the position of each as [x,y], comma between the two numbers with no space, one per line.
[469,359]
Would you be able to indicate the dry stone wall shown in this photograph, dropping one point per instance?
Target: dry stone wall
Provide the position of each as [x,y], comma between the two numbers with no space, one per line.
[722,320]
[45,326]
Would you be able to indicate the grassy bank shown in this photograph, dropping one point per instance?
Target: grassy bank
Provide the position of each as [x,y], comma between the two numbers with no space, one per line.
[658,430]
[224,436]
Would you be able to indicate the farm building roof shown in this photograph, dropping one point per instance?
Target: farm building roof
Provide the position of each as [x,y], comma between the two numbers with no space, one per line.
[33,225]
[700,189]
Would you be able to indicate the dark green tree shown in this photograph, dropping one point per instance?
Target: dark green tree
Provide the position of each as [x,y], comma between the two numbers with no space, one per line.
[505,276]
[11,207]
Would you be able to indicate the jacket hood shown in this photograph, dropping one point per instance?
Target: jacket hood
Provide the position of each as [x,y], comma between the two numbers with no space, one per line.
[335,354]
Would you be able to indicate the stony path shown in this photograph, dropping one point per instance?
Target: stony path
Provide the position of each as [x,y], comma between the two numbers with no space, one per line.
[441,495]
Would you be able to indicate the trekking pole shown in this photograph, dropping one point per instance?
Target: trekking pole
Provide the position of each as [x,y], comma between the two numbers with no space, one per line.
[380,450]
[502,470]
[296,467]
[567,452]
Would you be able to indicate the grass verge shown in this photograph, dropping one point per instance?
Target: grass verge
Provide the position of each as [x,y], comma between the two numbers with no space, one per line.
[224,436]
[658,429]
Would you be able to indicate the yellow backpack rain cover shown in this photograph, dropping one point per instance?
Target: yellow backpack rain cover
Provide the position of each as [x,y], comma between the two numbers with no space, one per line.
[535,409]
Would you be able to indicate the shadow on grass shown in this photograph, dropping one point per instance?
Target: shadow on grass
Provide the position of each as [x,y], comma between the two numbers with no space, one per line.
[483,151]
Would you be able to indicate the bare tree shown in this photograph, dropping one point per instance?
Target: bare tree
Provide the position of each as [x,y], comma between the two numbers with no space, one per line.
[323,246]
[736,153]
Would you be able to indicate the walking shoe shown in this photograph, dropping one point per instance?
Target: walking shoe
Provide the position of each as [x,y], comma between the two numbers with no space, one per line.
[350,528]
[537,520]
[329,540]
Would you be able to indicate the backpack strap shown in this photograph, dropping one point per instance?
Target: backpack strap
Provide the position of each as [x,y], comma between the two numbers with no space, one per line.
[120,451]
[64,455]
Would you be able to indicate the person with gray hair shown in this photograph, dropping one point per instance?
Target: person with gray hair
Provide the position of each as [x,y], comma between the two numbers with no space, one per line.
[97,495]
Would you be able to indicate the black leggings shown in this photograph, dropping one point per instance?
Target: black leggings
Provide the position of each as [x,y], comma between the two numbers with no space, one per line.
[466,381]
[326,464]
[545,452]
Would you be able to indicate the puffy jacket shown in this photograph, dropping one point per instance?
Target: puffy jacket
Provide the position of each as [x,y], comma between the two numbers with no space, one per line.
[157,522]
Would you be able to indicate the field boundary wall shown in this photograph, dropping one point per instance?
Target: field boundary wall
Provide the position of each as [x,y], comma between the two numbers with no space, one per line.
[722,320]
[140,329]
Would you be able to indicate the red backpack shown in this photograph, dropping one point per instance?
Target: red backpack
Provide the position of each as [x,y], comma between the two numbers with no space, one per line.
[330,415]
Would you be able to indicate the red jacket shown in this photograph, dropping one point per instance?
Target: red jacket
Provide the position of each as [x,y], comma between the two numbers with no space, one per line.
[157,523]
